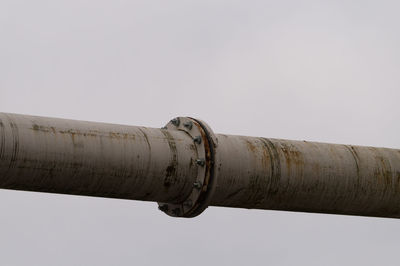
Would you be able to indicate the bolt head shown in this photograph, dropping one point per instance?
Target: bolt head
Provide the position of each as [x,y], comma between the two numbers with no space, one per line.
[188,125]
[197,139]
[175,121]
[197,185]
[201,162]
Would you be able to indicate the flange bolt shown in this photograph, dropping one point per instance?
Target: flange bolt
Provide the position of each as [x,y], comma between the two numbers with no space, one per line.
[201,162]
[197,185]
[175,122]
[197,139]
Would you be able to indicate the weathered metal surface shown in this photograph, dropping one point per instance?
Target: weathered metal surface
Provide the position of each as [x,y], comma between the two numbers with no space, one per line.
[96,159]
[307,176]
[198,199]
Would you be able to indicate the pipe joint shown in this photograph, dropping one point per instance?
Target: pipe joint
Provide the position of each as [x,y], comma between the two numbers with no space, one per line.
[205,142]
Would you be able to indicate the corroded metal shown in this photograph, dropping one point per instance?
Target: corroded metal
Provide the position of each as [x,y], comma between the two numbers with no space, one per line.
[197,201]
[307,176]
[95,159]
[174,166]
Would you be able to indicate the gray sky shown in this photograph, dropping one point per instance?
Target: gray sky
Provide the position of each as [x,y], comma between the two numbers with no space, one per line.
[314,70]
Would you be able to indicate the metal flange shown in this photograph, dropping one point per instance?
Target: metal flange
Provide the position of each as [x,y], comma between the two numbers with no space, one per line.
[203,186]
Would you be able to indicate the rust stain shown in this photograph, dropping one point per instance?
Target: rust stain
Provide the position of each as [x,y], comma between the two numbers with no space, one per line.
[118,135]
[146,138]
[209,159]
[171,171]
[294,159]
[149,153]
[357,159]
[251,146]
[357,163]
[113,135]
[36,127]
[384,172]
[90,133]
[272,156]
[15,137]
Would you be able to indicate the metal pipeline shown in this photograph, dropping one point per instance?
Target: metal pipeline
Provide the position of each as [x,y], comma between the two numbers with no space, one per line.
[186,167]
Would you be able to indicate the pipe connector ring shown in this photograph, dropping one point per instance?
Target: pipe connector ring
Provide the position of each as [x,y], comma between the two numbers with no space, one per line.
[204,184]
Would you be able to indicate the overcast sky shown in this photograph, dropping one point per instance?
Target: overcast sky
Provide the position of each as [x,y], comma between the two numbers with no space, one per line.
[309,70]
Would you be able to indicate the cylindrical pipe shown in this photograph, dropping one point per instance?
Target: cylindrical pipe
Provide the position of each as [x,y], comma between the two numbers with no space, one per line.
[95,159]
[307,176]
[185,166]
